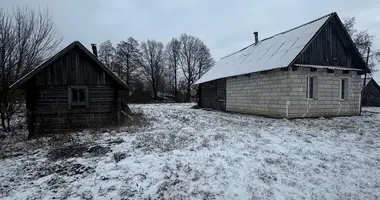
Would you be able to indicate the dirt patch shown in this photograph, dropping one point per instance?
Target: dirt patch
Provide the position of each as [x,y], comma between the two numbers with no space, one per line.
[10,155]
[67,152]
[163,141]
[115,141]
[98,150]
[118,156]
[65,169]
[56,182]
[72,151]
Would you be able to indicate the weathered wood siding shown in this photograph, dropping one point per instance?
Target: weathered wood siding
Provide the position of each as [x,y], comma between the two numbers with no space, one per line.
[371,94]
[330,47]
[75,68]
[51,99]
[213,94]
[53,114]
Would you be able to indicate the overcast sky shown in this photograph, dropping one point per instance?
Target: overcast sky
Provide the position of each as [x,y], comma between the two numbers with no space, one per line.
[225,26]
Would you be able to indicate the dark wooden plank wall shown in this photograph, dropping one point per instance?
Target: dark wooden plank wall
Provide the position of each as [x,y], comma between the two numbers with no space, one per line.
[30,95]
[330,47]
[371,94]
[75,68]
[53,114]
[213,94]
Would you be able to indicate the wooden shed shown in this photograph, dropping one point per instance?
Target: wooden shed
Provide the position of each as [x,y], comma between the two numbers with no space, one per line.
[371,93]
[70,91]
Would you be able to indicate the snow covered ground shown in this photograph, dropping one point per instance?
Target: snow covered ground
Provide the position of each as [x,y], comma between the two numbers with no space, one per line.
[184,153]
[372,109]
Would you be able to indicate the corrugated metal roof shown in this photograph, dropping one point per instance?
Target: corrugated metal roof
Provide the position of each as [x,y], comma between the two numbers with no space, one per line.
[328,67]
[270,53]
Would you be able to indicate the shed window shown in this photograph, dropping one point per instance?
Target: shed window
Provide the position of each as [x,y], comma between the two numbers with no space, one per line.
[344,88]
[311,87]
[78,96]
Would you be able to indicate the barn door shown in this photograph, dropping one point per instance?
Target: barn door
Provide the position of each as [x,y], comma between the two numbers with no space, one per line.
[221,94]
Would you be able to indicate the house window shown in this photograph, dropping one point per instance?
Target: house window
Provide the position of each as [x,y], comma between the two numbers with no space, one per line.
[311,87]
[344,88]
[78,96]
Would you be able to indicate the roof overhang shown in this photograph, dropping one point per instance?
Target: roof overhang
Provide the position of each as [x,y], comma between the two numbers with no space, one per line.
[23,80]
[329,67]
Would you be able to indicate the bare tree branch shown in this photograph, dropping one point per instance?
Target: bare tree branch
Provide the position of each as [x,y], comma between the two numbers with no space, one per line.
[362,40]
[27,38]
[195,59]
[152,63]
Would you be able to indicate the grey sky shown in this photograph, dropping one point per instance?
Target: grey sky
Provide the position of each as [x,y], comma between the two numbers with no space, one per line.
[225,26]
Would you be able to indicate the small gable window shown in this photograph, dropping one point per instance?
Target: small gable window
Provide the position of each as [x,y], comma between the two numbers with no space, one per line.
[78,96]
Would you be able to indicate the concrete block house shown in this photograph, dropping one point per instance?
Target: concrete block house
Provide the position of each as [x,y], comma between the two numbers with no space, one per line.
[311,70]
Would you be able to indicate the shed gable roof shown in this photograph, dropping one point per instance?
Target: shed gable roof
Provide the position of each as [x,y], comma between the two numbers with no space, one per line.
[371,80]
[278,51]
[54,58]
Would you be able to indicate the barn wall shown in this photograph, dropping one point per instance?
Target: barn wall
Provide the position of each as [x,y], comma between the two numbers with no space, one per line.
[213,94]
[283,94]
[328,102]
[51,92]
[74,68]
[53,113]
[330,47]
[371,95]
[258,93]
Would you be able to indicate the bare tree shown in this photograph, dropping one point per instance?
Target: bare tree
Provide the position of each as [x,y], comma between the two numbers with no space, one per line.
[127,55]
[27,38]
[173,49]
[107,54]
[195,59]
[362,40]
[205,60]
[152,63]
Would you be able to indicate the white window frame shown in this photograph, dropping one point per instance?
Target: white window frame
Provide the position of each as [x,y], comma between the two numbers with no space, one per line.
[70,96]
[315,87]
[346,88]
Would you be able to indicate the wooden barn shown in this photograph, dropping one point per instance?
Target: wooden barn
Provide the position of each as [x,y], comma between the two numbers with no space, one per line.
[70,91]
[311,70]
[371,93]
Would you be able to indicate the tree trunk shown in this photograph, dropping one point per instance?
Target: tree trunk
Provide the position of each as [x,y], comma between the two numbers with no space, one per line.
[3,122]
[8,123]
[155,93]
[127,76]
[175,85]
[199,95]
[188,91]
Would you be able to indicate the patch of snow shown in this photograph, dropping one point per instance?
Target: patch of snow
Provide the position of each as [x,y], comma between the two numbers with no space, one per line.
[184,153]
